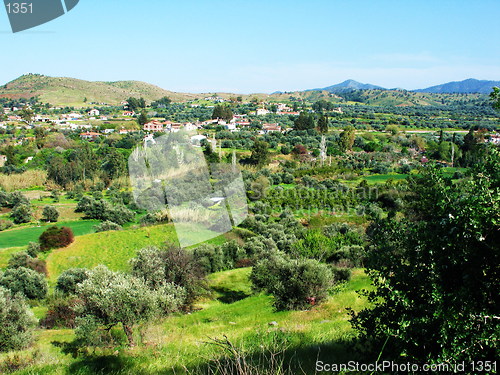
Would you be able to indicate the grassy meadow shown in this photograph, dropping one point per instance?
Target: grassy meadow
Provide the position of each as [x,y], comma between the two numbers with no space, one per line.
[184,343]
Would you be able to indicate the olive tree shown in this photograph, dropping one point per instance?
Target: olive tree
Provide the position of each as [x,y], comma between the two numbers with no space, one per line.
[25,281]
[50,214]
[16,321]
[110,298]
[294,283]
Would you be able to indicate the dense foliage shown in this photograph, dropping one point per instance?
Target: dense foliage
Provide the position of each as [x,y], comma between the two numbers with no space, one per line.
[55,237]
[295,284]
[16,321]
[437,272]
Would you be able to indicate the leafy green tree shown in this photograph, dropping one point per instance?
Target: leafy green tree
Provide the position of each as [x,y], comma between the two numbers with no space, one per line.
[495,98]
[222,111]
[162,103]
[16,321]
[305,121]
[135,104]
[170,265]
[25,281]
[110,298]
[50,214]
[260,153]
[22,214]
[114,164]
[436,271]
[295,284]
[347,138]
[143,118]
[69,279]
[323,124]
[27,115]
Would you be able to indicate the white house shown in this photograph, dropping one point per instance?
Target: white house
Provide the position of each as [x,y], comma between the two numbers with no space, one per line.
[94,112]
[262,111]
[196,140]
[190,127]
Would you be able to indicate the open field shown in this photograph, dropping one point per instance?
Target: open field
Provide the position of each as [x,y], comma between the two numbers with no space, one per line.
[23,235]
[113,248]
[183,342]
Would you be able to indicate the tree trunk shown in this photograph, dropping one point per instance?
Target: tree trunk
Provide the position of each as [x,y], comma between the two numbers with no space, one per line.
[128,331]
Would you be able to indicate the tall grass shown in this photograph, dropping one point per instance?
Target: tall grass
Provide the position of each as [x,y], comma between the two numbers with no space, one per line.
[27,180]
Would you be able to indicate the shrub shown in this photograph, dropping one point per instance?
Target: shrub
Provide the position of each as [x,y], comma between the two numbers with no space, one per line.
[55,237]
[11,200]
[294,284]
[118,214]
[23,259]
[50,214]
[69,279]
[170,265]
[102,210]
[21,214]
[60,314]
[26,281]
[33,249]
[341,274]
[5,224]
[16,321]
[107,226]
[18,260]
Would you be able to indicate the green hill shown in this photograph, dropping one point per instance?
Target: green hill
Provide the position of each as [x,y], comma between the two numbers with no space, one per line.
[63,91]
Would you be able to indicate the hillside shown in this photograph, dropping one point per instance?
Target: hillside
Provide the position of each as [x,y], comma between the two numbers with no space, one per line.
[63,91]
[462,87]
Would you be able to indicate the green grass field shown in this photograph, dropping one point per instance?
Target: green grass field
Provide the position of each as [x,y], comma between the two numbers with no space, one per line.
[183,342]
[382,178]
[114,248]
[23,235]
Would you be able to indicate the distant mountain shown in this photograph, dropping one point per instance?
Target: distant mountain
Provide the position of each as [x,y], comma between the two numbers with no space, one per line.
[468,86]
[350,84]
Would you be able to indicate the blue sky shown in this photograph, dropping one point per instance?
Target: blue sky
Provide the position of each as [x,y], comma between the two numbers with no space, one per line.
[262,46]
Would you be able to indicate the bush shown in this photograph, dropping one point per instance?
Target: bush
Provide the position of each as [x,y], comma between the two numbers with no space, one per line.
[16,321]
[23,259]
[69,279]
[118,214]
[294,284]
[5,224]
[17,260]
[33,249]
[22,214]
[102,210]
[170,265]
[11,200]
[60,314]
[26,281]
[50,214]
[341,274]
[55,237]
[107,226]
